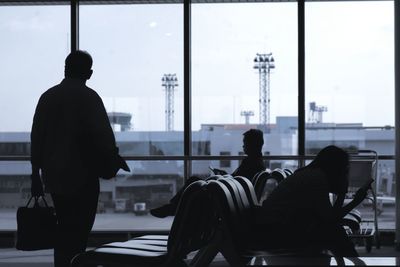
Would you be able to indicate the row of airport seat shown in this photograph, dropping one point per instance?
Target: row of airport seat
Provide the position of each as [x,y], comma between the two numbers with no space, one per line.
[211,217]
[265,182]
[356,227]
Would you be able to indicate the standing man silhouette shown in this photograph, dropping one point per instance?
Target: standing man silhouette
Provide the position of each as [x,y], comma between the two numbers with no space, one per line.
[72,145]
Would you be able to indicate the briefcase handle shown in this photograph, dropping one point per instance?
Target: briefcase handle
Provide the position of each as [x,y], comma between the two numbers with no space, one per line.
[36,205]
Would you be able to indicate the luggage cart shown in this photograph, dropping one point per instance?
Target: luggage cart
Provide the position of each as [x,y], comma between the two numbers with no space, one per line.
[363,167]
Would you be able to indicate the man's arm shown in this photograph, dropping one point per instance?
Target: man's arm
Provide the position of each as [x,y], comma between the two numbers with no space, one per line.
[219,171]
[99,124]
[323,206]
[243,169]
[358,198]
[249,167]
[319,197]
[103,140]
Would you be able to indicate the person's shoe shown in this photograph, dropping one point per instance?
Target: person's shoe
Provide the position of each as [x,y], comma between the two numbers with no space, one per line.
[163,211]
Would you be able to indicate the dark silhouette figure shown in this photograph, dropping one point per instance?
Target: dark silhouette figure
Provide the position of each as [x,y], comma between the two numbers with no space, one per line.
[253,142]
[298,213]
[72,145]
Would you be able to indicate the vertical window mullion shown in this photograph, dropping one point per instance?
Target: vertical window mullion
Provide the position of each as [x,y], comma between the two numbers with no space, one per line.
[74,25]
[301,79]
[397,115]
[187,139]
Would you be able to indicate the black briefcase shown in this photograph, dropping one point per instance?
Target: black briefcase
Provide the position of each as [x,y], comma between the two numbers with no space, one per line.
[36,226]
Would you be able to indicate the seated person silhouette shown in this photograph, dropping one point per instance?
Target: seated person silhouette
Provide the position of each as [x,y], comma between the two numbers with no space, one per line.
[298,213]
[253,142]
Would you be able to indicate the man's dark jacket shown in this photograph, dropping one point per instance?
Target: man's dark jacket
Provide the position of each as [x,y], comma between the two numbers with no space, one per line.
[71,138]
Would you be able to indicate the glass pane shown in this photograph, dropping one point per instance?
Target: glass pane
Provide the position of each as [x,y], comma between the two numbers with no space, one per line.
[386,192]
[201,168]
[384,188]
[138,71]
[350,75]
[124,202]
[15,191]
[227,84]
[34,43]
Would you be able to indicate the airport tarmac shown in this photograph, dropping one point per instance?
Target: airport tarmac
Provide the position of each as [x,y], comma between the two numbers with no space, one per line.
[103,222]
[117,222]
[110,221]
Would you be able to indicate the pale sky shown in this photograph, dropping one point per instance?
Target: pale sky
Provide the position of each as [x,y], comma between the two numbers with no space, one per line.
[349,59]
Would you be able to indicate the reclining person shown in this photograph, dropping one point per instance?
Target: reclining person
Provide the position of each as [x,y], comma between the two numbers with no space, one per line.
[298,213]
[253,142]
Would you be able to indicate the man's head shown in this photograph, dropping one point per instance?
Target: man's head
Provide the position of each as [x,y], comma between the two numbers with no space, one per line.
[78,64]
[334,162]
[253,141]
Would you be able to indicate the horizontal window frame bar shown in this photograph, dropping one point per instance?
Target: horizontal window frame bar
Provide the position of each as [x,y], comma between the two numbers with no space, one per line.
[142,2]
[34,3]
[193,158]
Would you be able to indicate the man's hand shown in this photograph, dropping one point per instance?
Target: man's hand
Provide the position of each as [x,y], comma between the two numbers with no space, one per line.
[123,164]
[360,195]
[36,186]
[339,200]
[219,171]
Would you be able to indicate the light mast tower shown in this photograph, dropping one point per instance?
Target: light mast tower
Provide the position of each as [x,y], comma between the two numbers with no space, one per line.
[169,81]
[247,114]
[316,112]
[264,63]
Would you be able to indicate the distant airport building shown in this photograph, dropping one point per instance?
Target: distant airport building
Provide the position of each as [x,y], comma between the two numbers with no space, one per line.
[154,182]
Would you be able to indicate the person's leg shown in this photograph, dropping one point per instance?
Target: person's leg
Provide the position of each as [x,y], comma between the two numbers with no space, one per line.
[87,213]
[68,228]
[75,217]
[334,238]
[170,208]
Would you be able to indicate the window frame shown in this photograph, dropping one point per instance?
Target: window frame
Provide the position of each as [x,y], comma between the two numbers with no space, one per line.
[188,156]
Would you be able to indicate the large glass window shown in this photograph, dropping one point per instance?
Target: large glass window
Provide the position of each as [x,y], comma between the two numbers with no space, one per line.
[350,85]
[244,74]
[125,201]
[228,84]
[34,43]
[130,196]
[138,71]
[201,167]
[350,75]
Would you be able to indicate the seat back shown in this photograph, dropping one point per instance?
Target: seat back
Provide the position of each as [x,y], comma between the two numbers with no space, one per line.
[259,183]
[230,185]
[246,203]
[214,177]
[256,176]
[249,189]
[194,221]
[279,175]
[240,227]
[288,172]
[230,219]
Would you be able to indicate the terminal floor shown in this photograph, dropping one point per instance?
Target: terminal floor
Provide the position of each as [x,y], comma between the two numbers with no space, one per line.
[10,257]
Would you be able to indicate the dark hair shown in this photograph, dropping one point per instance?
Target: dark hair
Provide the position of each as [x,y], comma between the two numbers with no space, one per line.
[254,137]
[78,64]
[334,162]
